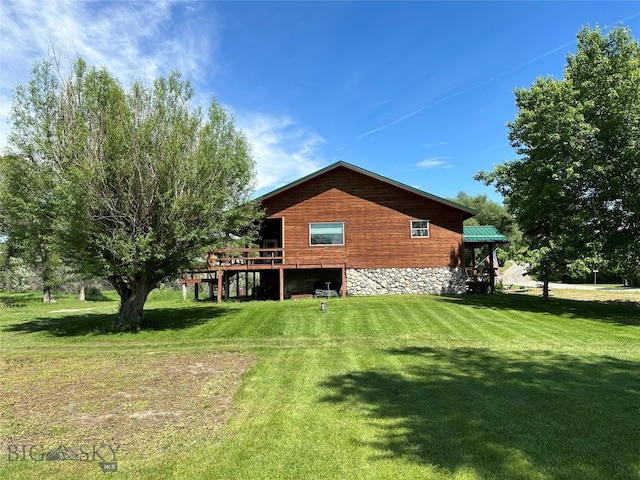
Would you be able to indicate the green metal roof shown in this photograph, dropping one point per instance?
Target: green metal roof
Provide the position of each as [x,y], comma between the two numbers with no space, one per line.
[483,234]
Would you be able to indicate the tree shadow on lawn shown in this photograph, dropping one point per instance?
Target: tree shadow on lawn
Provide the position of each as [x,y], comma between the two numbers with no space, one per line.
[156,319]
[18,300]
[507,416]
[619,313]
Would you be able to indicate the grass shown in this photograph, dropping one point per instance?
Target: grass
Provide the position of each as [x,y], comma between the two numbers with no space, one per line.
[475,387]
[601,295]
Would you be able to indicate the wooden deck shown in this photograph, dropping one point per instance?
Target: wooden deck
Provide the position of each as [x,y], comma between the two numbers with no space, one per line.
[222,264]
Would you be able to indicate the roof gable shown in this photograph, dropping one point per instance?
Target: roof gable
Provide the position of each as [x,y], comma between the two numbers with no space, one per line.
[466,211]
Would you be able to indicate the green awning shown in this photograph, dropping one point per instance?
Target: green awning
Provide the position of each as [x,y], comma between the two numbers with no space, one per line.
[483,234]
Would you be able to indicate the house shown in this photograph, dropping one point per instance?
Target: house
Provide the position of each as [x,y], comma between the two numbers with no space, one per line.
[344,230]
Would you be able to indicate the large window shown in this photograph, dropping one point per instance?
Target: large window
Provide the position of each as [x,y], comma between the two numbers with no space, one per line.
[326,233]
[419,228]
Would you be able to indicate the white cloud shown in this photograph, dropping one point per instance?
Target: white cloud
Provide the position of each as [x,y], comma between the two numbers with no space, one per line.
[435,145]
[134,40]
[284,151]
[144,40]
[433,163]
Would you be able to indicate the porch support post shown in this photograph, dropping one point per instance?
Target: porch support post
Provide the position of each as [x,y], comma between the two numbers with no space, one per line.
[492,272]
[343,292]
[219,275]
[227,284]
[184,291]
[196,290]
[281,271]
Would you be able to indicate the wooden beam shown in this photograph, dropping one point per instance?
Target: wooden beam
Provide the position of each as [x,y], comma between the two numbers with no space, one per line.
[219,275]
[281,271]
[344,282]
[492,272]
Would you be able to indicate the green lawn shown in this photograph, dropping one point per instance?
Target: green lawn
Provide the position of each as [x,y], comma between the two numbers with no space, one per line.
[406,387]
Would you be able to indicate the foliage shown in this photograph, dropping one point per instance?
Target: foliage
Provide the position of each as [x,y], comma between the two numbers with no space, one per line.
[575,189]
[496,214]
[16,276]
[143,182]
[490,213]
[27,216]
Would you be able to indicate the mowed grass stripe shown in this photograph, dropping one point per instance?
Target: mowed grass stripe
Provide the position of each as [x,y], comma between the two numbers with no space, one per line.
[512,327]
[467,321]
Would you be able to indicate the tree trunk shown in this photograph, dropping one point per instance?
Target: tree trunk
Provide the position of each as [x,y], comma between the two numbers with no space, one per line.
[133,295]
[545,290]
[81,297]
[47,298]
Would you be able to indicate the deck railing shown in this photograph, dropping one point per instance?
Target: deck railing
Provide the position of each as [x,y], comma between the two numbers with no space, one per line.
[265,257]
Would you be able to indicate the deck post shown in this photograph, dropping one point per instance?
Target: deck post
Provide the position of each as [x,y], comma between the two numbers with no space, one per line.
[343,293]
[253,285]
[219,276]
[184,291]
[196,291]
[492,272]
[281,271]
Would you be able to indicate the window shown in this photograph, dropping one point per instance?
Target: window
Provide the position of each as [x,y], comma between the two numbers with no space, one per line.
[419,228]
[326,233]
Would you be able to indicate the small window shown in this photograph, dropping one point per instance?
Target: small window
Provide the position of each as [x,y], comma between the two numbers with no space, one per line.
[326,233]
[419,228]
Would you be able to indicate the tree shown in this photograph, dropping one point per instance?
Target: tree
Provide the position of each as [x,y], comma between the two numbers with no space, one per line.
[605,73]
[27,210]
[575,188]
[490,213]
[144,182]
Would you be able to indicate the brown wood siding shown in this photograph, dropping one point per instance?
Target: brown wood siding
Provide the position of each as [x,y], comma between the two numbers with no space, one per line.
[376,217]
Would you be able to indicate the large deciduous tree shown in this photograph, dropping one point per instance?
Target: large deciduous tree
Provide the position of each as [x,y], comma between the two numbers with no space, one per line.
[143,181]
[27,218]
[575,187]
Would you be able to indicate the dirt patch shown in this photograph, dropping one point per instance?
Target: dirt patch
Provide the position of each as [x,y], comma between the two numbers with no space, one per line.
[68,310]
[144,403]
[624,296]
[604,295]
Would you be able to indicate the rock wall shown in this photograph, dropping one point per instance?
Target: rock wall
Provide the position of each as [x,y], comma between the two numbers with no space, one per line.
[398,281]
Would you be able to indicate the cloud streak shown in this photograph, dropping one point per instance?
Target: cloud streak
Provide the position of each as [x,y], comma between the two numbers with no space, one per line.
[456,94]
[433,163]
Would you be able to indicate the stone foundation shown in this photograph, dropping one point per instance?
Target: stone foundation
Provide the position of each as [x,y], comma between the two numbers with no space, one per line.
[398,281]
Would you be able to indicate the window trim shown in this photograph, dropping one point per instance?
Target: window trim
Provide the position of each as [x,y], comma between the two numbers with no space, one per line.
[415,229]
[327,244]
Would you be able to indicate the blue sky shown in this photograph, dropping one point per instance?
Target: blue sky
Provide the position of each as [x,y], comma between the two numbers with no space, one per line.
[419,92]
